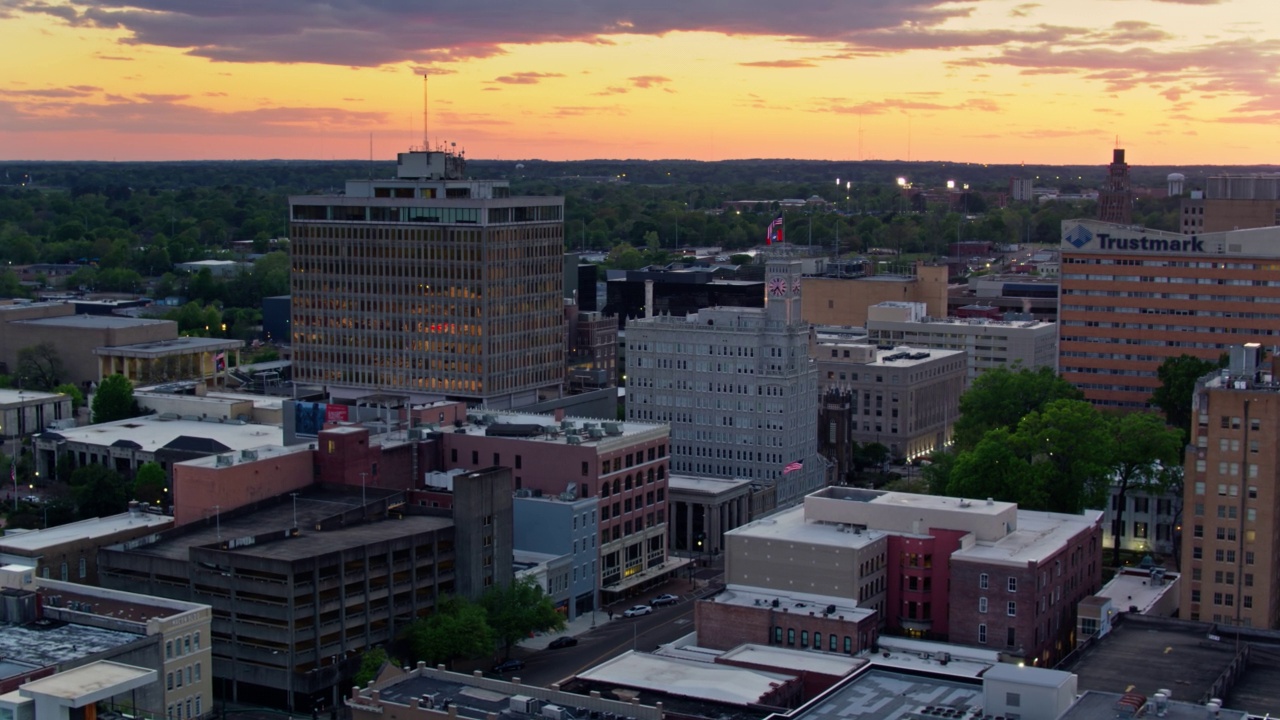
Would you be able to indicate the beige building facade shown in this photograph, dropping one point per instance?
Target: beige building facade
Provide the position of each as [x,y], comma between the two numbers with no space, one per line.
[429,284]
[844,301]
[1230,549]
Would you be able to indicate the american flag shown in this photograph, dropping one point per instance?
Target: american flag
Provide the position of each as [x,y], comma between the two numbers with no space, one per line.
[774,233]
[793,466]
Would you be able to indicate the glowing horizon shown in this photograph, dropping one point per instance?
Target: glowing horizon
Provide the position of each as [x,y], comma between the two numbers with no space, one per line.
[1176,81]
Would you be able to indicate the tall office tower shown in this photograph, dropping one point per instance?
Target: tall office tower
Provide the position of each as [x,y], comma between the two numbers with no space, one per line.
[737,387]
[1115,200]
[1133,297]
[429,284]
[1230,547]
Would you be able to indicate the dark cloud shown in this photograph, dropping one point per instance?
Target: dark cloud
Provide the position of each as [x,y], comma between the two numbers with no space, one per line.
[1023,10]
[612,90]
[162,97]
[649,81]
[525,78]
[162,117]
[380,32]
[74,91]
[779,64]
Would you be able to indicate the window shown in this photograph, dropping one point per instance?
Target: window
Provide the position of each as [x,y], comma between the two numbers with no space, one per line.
[64,572]
[1013,609]
[817,641]
[982,605]
[982,581]
[1012,639]
[168,650]
[804,638]
[982,633]
[84,567]
[197,671]
[831,644]
[777,634]
[197,641]
[1013,699]
[1013,584]
[848,644]
[168,681]
[791,636]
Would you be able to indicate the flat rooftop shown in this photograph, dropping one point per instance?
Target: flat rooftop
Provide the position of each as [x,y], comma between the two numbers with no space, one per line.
[161,348]
[44,643]
[13,397]
[152,432]
[685,678]
[705,485]
[90,683]
[1134,588]
[1039,535]
[791,602]
[95,322]
[534,426]
[1144,654]
[37,540]
[888,695]
[838,664]
[1093,705]
[790,524]
[313,504]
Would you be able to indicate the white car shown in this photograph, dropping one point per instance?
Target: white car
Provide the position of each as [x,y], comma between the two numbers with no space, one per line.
[637,610]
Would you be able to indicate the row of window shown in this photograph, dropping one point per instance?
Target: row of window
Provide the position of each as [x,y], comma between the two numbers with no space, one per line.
[833,640]
[194,708]
[984,581]
[190,672]
[184,645]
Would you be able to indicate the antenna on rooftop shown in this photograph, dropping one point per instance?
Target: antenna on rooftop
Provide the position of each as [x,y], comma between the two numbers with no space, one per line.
[425,97]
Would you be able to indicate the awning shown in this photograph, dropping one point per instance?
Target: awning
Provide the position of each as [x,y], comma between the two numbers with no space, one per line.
[671,564]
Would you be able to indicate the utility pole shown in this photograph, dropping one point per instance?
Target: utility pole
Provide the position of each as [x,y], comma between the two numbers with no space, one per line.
[294,495]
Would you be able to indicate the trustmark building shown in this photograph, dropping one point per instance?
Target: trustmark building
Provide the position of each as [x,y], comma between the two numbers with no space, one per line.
[1132,297]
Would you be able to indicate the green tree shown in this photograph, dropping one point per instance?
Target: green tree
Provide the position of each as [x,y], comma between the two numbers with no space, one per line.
[149,484]
[371,661]
[1178,376]
[114,400]
[77,397]
[518,609]
[1071,450]
[10,286]
[1001,398]
[99,491]
[39,367]
[938,472]
[993,469]
[1148,457]
[458,629]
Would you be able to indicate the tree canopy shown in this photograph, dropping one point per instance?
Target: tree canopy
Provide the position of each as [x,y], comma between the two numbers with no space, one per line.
[114,400]
[516,610]
[1001,398]
[99,491]
[457,629]
[149,484]
[1178,376]
[40,367]
[371,661]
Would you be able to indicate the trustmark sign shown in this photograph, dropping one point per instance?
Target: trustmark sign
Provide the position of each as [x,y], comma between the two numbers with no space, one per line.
[1082,238]
[1190,245]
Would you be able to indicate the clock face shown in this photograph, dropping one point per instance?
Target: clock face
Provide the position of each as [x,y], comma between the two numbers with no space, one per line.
[777,286]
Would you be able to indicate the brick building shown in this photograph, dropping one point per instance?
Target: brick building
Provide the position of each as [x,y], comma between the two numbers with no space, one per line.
[1231,502]
[70,552]
[1132,298]
[972,572]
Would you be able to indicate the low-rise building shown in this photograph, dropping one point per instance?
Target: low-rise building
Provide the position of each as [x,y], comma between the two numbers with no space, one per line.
[24,413]
[903,398]
[1030,344]
[70,552]
[562,527]
[975,572]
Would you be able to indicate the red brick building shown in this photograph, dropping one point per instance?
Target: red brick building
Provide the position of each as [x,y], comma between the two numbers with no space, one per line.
[973,572]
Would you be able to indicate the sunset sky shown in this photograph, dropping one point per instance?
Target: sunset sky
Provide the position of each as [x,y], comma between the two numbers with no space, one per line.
[1178,81]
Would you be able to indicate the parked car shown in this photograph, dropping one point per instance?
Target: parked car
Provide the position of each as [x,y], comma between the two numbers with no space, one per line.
[666,599]
[637,610]
[563,642]
[508,665]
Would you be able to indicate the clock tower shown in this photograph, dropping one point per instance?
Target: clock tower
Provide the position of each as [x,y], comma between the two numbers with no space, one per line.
[782,290]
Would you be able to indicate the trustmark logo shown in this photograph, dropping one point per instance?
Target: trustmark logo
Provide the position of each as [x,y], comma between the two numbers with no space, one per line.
[1079,236]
